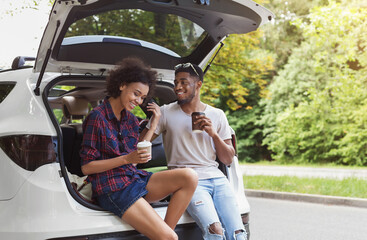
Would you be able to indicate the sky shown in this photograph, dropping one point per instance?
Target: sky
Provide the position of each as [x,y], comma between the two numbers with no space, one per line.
[21,25]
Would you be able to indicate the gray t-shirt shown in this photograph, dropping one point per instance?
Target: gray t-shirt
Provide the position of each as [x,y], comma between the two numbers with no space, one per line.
[184,148]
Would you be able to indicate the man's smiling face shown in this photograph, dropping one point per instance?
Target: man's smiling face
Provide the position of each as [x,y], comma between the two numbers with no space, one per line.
[185,87]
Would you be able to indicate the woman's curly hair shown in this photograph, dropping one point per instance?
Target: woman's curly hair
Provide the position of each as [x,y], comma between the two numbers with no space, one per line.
[127,71]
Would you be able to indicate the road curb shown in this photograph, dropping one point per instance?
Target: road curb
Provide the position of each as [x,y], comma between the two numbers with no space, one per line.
[313,198]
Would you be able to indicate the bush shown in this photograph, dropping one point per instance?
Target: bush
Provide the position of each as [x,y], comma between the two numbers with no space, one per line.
[249,135]
[317,111]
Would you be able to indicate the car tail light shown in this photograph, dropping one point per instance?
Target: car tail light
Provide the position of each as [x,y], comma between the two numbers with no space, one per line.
[5,89]
[29,151]
[245,221]
[234,142]
[245,218]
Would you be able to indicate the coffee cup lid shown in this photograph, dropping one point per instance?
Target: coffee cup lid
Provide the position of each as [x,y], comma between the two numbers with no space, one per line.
[144,143]
[197,113]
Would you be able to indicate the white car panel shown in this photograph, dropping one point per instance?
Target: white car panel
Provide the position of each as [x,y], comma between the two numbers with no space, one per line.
[12,177]
[25,112]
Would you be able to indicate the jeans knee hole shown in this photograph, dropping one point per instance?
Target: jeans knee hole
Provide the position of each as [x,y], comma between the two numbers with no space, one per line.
[215,228]
[240,234]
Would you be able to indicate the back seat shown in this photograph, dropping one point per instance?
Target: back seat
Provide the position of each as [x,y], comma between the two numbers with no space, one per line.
[158,155]
[72,133]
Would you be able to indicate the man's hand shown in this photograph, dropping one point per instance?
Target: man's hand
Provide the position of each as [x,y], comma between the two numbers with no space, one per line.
[224,148]
[206,125]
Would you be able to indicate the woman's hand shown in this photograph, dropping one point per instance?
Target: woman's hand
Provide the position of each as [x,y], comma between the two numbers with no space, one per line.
[155,109]
[148,134]
[138,156]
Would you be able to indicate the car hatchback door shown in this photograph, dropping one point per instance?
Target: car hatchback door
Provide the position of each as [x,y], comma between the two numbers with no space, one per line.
[90,36]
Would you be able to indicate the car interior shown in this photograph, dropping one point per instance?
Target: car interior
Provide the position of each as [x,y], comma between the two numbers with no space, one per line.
[70,99]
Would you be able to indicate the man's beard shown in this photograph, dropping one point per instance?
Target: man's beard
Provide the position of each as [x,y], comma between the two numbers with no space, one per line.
[186,100]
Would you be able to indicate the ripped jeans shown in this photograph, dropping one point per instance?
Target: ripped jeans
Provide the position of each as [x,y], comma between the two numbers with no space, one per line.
[215,202]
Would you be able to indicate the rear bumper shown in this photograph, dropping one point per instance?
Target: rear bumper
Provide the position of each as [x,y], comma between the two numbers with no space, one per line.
[184,231]
[247,228]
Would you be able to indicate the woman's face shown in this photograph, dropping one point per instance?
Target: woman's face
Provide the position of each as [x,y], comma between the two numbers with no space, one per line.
[133,94]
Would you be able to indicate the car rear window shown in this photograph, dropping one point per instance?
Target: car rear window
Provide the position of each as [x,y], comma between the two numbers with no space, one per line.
[5,89]
[173,34]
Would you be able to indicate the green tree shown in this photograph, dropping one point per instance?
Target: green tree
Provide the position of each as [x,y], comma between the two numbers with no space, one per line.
[168,30]
[235,83]
[241,61]
[318,102]
[281,37]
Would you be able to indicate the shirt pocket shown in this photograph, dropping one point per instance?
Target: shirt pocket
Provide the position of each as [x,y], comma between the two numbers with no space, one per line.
[112,144]
[130,143]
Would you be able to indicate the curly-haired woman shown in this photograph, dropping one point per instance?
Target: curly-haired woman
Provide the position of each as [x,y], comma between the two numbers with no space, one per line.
[109,155]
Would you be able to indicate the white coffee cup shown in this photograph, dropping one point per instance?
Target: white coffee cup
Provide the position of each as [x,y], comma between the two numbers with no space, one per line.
[145,145]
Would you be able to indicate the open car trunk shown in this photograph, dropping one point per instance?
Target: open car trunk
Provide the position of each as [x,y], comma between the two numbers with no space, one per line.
[85,39]
[69,100]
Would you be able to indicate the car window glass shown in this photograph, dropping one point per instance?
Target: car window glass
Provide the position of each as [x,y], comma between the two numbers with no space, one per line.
[5,89]
[56,93]
[175,35]
[59,115]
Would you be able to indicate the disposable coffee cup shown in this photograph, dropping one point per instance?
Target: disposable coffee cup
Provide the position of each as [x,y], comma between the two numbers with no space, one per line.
[196,127]
[145,145]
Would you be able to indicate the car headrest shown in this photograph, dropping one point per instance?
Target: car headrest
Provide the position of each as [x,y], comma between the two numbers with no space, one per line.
[74,108]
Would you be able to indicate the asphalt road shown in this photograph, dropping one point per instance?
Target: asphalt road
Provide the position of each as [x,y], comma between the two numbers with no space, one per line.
[336,173]
[272,219]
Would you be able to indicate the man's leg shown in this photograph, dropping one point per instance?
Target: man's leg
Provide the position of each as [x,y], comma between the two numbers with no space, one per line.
[202,210]
[227,208]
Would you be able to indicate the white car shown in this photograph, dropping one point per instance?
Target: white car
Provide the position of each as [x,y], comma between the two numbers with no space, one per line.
[42,108]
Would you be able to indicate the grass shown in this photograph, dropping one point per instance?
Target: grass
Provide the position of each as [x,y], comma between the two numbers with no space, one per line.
[348,187]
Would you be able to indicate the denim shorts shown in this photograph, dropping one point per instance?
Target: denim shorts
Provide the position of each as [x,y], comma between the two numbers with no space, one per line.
[118,202]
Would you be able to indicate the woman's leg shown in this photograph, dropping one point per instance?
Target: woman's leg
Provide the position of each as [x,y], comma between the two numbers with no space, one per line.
[181,183]
[145,220]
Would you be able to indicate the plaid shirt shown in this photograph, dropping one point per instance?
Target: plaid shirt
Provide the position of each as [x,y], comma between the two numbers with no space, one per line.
[105,137]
